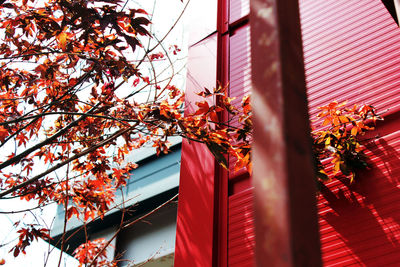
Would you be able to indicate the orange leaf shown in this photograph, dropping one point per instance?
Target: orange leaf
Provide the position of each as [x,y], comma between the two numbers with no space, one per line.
[354,131]
[3,133]
[62,40]
[336,167]
[336,121]
[343,119]
[249,168]
[326,122]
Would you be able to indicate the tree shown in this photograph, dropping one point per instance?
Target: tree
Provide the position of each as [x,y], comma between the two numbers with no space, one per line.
[72,107]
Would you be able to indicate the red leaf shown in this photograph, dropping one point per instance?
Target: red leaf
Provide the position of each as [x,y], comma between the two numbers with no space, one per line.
[16,252]
[3,133]
[203,108]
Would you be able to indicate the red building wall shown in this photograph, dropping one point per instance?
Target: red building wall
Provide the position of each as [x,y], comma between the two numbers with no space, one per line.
[214,226]
[240,195]
[195,221]
[352,53]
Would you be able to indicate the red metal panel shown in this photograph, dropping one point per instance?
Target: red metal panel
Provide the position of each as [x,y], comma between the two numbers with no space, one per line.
[360,222]
[241,229]
[239,70]
[240,65]
[238,9]
[241,240]
[221,178]
[352,52]
[195,221]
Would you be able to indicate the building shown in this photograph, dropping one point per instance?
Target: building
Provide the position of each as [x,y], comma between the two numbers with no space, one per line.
[155,181]
[351,52]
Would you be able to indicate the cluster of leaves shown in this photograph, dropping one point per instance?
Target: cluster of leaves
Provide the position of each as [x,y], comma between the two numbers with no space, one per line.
[27,235]
[339,139]
[93,252]
[227,138]
[71,73]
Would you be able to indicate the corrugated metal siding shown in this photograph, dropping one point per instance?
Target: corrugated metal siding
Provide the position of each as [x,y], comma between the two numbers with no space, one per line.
[238,9]
[240,206]
[352,52]
[360,222]
[240,229]
[240,67]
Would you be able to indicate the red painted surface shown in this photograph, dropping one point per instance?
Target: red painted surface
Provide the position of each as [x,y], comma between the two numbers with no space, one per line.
[352,52]
[238,9]
[241,229]
[221,178]
[195,222]
[241,240]
[239,69]
[203,201]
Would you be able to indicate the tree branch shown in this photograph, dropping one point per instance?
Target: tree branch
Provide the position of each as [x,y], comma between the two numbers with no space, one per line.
[59,165]
[129,225]
[22,155]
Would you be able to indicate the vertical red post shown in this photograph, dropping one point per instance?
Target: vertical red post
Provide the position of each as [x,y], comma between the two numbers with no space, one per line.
[285,205]
[220,246]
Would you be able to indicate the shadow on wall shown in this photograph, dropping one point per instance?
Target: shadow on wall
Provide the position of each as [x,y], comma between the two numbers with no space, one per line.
[365,215]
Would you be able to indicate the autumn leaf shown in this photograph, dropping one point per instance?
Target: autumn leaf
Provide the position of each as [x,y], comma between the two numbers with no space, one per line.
[336,142]
[326,122]
[344,119]
[203,108]
[3,133]
[62,40]
[137,23]
[354,131]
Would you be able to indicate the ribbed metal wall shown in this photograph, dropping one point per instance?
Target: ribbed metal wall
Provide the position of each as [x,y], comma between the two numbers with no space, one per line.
[238,9]
[239,67]
[240,207]
[352,53]
[240,229]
